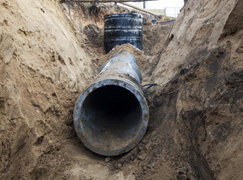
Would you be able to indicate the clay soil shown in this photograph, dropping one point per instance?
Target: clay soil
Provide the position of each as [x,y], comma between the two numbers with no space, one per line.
[51,50]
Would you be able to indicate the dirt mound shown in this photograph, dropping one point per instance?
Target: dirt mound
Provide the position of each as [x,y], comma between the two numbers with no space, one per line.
[154,37]
[42,69]
[196,111]
[47,57]
[50,51]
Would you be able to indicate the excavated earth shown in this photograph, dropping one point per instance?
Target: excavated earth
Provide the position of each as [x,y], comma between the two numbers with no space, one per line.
[51,50]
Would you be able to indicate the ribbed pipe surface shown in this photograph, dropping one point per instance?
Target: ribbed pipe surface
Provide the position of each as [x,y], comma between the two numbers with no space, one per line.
[123,28]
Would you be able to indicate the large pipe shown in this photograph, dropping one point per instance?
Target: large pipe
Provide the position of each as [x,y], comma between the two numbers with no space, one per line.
[111,115]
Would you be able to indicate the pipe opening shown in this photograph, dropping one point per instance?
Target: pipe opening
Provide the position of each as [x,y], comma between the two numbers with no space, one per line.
[111,117]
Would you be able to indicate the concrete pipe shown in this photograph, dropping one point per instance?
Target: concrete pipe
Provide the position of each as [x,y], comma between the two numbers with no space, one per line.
[111,115]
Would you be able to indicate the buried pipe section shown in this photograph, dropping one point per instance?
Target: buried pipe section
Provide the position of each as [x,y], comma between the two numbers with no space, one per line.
[111,115]
[123,28]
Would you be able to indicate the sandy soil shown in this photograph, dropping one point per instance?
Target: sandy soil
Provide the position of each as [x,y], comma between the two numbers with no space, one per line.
[49,52]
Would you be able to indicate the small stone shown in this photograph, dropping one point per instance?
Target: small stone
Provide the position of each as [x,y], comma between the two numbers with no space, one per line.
[144,168]
[107,159]
[153,165]
[140,148]
[119,165]
[182,177]
[147,146]
[183,170]
[132,158]
[142,156]
[193,177]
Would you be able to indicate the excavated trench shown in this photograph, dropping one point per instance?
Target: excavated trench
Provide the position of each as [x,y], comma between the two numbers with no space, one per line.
[50,53]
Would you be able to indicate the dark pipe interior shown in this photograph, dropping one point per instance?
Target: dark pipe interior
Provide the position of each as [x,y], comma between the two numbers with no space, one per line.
[111,117]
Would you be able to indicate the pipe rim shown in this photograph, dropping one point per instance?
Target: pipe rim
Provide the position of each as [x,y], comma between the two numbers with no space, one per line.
[132,88]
